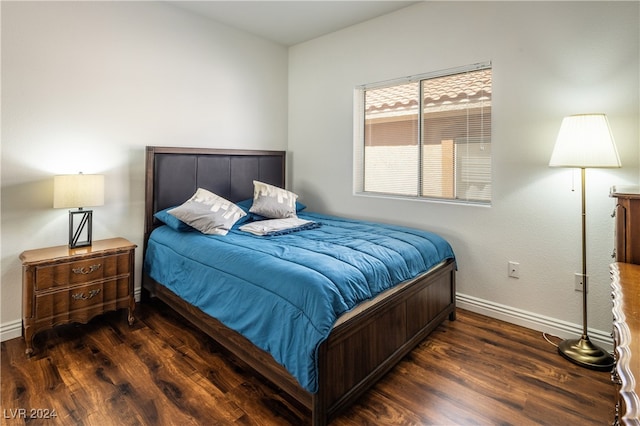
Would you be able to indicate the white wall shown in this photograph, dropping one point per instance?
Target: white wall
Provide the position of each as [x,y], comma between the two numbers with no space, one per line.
[550,59]
[87,85]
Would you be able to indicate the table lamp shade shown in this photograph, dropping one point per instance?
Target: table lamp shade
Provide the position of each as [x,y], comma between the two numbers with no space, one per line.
[585,141]
[78,190]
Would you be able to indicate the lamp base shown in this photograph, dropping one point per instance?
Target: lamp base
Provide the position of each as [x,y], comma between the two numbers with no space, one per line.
[586,354]
[83,229]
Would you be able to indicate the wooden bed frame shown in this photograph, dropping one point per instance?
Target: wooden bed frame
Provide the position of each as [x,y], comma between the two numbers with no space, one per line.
[365,343]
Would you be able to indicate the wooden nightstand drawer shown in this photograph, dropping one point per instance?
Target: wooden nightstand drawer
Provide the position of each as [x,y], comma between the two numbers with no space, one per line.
[70,273]
[82,303]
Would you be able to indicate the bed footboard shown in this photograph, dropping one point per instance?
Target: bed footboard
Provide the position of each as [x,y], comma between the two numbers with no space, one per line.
[361,350]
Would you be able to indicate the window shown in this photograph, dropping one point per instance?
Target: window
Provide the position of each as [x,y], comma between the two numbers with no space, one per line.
[427,136]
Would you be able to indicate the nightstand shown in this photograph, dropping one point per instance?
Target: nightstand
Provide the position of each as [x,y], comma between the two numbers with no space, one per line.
[62,285]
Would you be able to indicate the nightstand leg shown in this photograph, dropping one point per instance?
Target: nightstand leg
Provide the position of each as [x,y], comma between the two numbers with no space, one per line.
[28,339]
[132,307]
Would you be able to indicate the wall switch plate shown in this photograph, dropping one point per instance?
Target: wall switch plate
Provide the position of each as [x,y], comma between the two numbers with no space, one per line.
[514,269]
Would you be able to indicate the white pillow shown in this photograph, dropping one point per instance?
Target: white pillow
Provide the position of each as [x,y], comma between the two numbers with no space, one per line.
[208,213]
[273,202]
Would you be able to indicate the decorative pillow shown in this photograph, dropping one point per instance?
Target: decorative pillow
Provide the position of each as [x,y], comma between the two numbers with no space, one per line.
[273,202]
[208,213]
[172,221]
[246,205]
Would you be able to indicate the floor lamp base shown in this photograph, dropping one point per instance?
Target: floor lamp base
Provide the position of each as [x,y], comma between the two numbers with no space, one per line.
[586,354]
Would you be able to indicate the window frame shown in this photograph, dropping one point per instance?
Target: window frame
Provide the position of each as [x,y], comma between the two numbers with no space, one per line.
[359,142]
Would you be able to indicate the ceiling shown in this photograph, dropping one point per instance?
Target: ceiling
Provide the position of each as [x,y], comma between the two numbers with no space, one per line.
[290,22]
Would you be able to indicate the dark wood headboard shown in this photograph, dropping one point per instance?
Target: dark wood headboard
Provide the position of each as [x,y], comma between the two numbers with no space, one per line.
[174,174]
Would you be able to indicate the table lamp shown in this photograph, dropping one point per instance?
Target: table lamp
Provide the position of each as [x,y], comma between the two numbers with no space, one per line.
[78,191]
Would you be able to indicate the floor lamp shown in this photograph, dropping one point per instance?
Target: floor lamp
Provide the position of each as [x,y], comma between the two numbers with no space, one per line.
[585,141]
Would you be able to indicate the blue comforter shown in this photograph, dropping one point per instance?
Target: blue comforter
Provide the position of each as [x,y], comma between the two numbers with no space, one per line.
[284,293]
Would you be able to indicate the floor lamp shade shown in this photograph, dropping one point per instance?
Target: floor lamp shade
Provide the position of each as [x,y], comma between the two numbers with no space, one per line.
[585,141]
[78,191]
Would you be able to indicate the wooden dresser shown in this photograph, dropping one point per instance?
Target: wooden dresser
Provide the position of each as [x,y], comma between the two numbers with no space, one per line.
[626,337]
[625,274]
[627,223]
[63,285]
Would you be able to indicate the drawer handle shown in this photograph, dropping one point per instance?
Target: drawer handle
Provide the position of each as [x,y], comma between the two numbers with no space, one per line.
[615,378]
[81,296]
[85,271]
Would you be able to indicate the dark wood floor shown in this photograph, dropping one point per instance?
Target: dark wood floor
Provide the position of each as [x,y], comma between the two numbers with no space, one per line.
[473,371]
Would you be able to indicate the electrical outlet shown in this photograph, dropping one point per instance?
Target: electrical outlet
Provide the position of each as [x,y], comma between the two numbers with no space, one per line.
[514,269]
[579,281]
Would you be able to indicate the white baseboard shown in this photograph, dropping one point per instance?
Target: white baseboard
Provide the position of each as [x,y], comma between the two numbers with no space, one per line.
[552,326]
[10,330]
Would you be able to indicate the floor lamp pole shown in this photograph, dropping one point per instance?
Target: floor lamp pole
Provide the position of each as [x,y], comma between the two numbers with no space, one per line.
[583,173]
[582,351]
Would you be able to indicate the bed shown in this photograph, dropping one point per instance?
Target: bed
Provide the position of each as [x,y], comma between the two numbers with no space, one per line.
[365,339]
